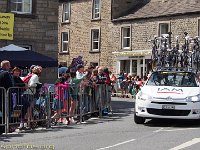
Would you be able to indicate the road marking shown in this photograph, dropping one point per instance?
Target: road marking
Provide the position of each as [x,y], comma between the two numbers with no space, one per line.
[116,144]
[161,129]
[187,144]
[172,130]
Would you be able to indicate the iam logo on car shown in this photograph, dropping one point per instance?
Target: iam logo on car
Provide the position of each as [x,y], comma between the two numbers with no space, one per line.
[170,91]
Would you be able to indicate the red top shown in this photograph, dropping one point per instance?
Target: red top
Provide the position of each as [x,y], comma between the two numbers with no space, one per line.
[60,88]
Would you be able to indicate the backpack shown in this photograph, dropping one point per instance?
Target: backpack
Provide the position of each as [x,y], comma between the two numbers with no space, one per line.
[27,78]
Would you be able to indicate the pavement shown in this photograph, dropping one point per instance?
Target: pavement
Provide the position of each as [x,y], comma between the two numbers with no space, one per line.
[116,131]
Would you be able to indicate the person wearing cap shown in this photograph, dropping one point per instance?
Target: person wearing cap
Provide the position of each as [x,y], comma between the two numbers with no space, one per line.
[31,68]
[34,86]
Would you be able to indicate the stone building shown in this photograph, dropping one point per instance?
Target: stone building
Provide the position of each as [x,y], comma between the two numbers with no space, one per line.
[35,28]
[116,33]
[84,29]
[146,19]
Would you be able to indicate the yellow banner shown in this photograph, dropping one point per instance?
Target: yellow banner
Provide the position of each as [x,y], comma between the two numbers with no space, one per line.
[6,26]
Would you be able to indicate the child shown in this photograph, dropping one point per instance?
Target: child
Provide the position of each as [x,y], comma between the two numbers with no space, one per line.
[58,104]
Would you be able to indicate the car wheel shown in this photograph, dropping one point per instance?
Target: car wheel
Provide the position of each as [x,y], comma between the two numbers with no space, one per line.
[139,120]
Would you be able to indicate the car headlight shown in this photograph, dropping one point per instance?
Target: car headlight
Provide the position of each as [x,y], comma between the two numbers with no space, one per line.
[143,96]
[195,98]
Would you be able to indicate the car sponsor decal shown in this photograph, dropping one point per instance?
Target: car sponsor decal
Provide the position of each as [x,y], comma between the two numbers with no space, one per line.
[170,91]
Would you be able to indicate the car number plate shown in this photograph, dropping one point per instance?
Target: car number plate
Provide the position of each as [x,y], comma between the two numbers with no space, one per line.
[168,107]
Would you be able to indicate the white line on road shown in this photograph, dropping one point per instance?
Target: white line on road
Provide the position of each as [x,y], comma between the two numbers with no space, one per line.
[116,145]
[187,144]
[179,129]
[158,130]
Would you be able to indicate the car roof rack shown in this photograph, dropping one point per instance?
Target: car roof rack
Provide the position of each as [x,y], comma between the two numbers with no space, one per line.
[175,69]
[178,58]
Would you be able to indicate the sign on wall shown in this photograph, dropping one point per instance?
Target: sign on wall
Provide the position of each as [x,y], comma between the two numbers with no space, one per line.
[6,26]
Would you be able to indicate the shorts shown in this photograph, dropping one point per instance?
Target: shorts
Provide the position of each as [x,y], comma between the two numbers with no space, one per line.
[57,104]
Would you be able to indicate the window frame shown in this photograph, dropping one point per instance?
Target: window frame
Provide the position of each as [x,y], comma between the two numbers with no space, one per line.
[159,27]
[122,37]
[62,43]
[198,26]
[93,11]
[92,41]
[22,12]
[64,12]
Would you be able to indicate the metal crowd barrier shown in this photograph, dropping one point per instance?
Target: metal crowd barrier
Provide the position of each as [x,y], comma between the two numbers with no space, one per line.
[27,107]
[19,106]
[3,110]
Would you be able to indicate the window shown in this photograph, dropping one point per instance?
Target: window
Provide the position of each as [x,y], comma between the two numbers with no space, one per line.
[95,39]
[96,9]
[177,79]
[65,42]
[126,37]
[125,66]
[94,64]
[21,6]
[66,12]
[163,28]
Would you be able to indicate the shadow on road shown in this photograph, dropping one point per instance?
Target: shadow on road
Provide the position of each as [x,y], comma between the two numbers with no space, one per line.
[120,108]
[172,123]
[5,138]
[122,104]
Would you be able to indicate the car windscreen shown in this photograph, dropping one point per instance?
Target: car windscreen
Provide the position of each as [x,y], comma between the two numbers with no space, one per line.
[179,79]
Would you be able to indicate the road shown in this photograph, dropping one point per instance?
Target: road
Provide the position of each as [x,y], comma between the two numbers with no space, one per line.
[114,132]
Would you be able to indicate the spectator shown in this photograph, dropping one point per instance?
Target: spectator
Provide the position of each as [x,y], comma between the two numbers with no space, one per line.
[139,84]
[18,98]
[31,69]
[145,79]
[106,74]
[113,82]
[32,93]
[75,83]
[102,77]
[6,81]
[58,103]
[90,68]
[80,72]
[120,79]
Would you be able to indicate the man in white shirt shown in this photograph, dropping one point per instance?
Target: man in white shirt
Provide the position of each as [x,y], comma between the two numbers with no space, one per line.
[80,72]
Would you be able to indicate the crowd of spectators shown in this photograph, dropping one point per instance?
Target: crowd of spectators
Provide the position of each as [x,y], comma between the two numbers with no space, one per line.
[23,96]
[84,77]
[127,84]
[71,79]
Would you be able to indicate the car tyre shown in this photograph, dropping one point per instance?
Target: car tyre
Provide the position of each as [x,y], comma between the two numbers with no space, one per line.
[138,120]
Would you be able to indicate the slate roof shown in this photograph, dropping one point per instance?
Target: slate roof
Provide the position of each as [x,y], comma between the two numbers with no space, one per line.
[162,8]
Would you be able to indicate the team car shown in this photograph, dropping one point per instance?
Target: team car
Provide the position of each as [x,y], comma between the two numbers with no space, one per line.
[172,90]
[172,94]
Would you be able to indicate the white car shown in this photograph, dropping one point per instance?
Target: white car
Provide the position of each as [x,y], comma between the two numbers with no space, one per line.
[168,94]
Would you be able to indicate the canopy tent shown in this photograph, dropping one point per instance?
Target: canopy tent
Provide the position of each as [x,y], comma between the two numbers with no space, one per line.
[19,56]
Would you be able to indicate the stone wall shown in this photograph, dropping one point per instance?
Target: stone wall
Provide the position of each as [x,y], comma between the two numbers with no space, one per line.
[141,31]
[39,30]
[145,30]
[80,27]
[3,5]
